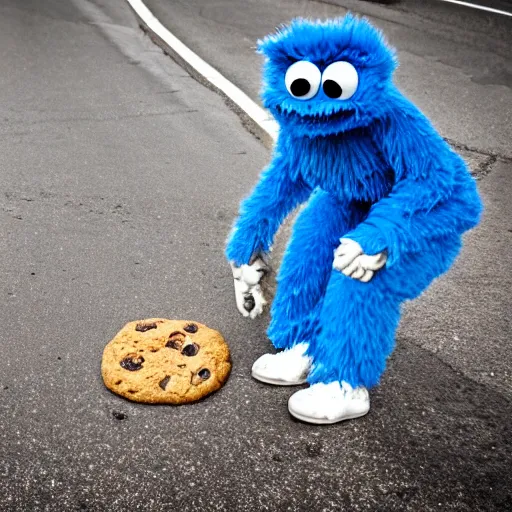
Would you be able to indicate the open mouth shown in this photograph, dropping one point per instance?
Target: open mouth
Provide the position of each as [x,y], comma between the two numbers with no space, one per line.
[316,118]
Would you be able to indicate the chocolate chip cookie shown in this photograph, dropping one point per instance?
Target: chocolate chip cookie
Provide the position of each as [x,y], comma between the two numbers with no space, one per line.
[163,361]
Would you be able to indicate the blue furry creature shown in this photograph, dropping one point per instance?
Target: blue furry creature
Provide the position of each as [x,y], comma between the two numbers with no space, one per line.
[387,201]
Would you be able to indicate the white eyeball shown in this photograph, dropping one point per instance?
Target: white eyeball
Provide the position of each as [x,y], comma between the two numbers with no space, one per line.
[340,80]
[302,80]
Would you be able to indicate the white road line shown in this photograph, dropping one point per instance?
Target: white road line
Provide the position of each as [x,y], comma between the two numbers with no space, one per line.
[259,115]
[480,7]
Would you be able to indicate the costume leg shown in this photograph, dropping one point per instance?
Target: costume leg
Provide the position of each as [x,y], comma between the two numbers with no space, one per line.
[307,266]
[357,322]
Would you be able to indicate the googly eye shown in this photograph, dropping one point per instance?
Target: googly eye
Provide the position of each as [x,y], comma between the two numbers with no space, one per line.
[302,80]
[340,80]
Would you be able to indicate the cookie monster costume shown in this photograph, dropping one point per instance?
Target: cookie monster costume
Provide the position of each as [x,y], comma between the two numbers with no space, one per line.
[387,203]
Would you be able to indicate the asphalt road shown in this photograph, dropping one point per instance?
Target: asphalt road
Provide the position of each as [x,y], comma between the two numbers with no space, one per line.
[121,176]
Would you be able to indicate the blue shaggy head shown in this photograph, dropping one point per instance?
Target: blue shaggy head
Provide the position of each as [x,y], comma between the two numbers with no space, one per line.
[323,78]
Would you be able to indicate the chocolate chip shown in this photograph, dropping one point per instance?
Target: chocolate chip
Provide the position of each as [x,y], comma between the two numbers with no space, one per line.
[143,327]
[176,340]
[182,366]
[249,303]
[163,383]
[175,344]
[190,350]
[132,363]
[191,328]
[204,374]
[118,415]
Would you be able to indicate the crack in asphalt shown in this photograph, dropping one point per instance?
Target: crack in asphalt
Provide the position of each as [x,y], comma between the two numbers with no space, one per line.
[472,149]
[484,167]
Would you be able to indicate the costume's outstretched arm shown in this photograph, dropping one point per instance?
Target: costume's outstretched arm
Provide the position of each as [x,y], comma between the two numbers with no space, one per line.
[434,195]
[261,214]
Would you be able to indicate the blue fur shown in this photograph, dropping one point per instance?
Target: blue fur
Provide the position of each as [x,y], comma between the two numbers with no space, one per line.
[374,170]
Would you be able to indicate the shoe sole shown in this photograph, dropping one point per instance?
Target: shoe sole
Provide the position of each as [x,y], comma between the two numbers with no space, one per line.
[277,382]
[325,421]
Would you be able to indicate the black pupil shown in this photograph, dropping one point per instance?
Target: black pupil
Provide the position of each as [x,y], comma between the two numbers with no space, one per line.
[332,89]
[300,87]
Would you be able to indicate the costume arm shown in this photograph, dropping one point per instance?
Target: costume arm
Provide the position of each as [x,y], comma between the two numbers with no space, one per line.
[434,195]
[261,214]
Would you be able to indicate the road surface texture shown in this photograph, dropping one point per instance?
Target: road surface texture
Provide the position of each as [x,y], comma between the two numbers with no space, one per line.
[121,176]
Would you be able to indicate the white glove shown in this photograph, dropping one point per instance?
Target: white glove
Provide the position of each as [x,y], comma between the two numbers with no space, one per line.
[248,294]
[351,261]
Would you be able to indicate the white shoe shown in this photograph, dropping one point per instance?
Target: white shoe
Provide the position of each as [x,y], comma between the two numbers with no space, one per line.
[329,403]
[287,368]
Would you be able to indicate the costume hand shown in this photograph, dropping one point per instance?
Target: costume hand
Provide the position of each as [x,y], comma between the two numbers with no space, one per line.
[351,261]
[248,294]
